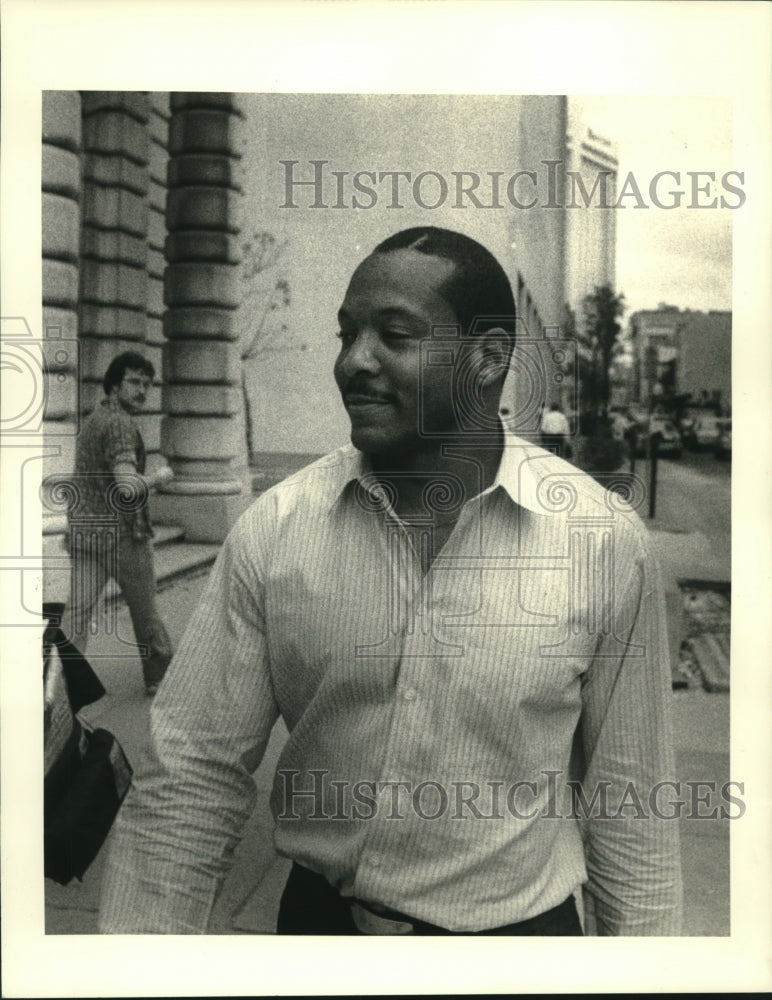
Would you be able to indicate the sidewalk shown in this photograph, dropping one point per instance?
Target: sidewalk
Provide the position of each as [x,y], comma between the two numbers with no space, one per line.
[249,901]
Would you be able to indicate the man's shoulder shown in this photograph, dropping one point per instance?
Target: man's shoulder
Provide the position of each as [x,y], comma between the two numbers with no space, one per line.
[311,490]
[565,490]
[326,475]
[105,417]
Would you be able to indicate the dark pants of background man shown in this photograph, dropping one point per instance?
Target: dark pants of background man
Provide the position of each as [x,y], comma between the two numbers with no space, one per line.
[310,905]
[98,556]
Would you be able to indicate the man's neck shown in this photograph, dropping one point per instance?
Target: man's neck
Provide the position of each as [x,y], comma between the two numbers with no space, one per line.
[463,469]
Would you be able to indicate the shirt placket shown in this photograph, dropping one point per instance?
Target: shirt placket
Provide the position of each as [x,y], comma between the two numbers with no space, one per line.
[418,651]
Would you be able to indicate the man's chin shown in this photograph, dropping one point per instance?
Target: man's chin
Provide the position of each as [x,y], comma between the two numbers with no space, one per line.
[373,441]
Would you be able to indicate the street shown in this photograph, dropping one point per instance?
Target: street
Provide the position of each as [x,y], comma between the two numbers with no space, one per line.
[706,461]
[693,494]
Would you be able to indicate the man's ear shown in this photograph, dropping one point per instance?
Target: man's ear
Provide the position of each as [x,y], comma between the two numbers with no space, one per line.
[493,351]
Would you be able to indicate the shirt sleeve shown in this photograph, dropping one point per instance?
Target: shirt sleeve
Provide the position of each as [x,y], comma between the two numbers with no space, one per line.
[631,834]
[119,439]
[173,841]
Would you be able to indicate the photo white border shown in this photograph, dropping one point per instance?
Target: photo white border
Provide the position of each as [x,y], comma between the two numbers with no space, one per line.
[407,47]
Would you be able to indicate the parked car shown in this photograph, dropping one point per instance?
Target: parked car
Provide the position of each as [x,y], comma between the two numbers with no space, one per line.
[620,424]
[638,416]
[702,431]
[723,446]
[670,442]
[688,416]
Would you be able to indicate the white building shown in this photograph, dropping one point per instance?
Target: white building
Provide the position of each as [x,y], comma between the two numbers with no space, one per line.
[564,239]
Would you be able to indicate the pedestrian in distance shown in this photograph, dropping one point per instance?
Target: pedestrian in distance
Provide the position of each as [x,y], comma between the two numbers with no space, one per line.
[555,431]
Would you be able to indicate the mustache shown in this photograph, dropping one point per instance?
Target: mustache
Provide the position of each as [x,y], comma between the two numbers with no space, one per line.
[359,387]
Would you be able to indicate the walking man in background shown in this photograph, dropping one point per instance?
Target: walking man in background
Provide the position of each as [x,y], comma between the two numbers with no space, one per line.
[449,642]
[109,523]
[555,431]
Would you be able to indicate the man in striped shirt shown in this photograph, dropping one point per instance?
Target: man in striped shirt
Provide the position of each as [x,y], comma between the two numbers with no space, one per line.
[465,638]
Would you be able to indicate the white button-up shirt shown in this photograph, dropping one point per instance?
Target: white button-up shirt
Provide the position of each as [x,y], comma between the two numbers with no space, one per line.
[434,719]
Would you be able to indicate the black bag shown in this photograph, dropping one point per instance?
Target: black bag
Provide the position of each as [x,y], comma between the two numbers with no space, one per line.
[87,774]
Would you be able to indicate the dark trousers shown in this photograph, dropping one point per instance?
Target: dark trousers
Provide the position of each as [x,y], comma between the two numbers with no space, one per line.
[99,556]
[310,905]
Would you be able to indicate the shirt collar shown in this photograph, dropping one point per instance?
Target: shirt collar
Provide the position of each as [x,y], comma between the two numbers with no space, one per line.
[112,403]
[519,473]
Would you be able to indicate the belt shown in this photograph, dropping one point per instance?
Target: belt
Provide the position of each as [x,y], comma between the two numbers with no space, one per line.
[377,919]
[368,921]
[310,905]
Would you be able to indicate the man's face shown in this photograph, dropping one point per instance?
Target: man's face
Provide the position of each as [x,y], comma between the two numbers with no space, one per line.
[133,390]
[391,305]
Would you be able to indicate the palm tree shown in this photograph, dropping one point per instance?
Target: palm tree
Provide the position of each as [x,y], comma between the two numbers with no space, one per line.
[602,309]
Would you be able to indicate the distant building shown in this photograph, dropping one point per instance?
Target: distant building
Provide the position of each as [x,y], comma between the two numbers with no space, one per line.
[653,335]
[566,246]
[682,352]
[590,229]
[704,358]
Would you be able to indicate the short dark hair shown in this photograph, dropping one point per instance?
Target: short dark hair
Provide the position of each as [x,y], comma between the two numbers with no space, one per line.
[121,364]
[478,289]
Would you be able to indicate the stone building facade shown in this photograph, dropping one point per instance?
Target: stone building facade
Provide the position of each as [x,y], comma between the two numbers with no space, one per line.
[141,215]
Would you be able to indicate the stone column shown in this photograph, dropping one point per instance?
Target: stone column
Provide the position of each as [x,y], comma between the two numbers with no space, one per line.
[158,159]
[61,181]
[202,429]
[61,210]
[114,282]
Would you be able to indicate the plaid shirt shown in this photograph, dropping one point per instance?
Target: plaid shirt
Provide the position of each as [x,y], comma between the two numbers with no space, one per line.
[108,436]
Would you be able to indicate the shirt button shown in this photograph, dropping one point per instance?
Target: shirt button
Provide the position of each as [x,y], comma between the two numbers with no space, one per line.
[374,860]
[410,694]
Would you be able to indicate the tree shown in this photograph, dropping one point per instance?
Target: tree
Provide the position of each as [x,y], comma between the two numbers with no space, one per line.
[570,375]
[266,297]
[602,309]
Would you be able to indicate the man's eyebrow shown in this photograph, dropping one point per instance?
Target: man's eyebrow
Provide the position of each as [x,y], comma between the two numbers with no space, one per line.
[386,312]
